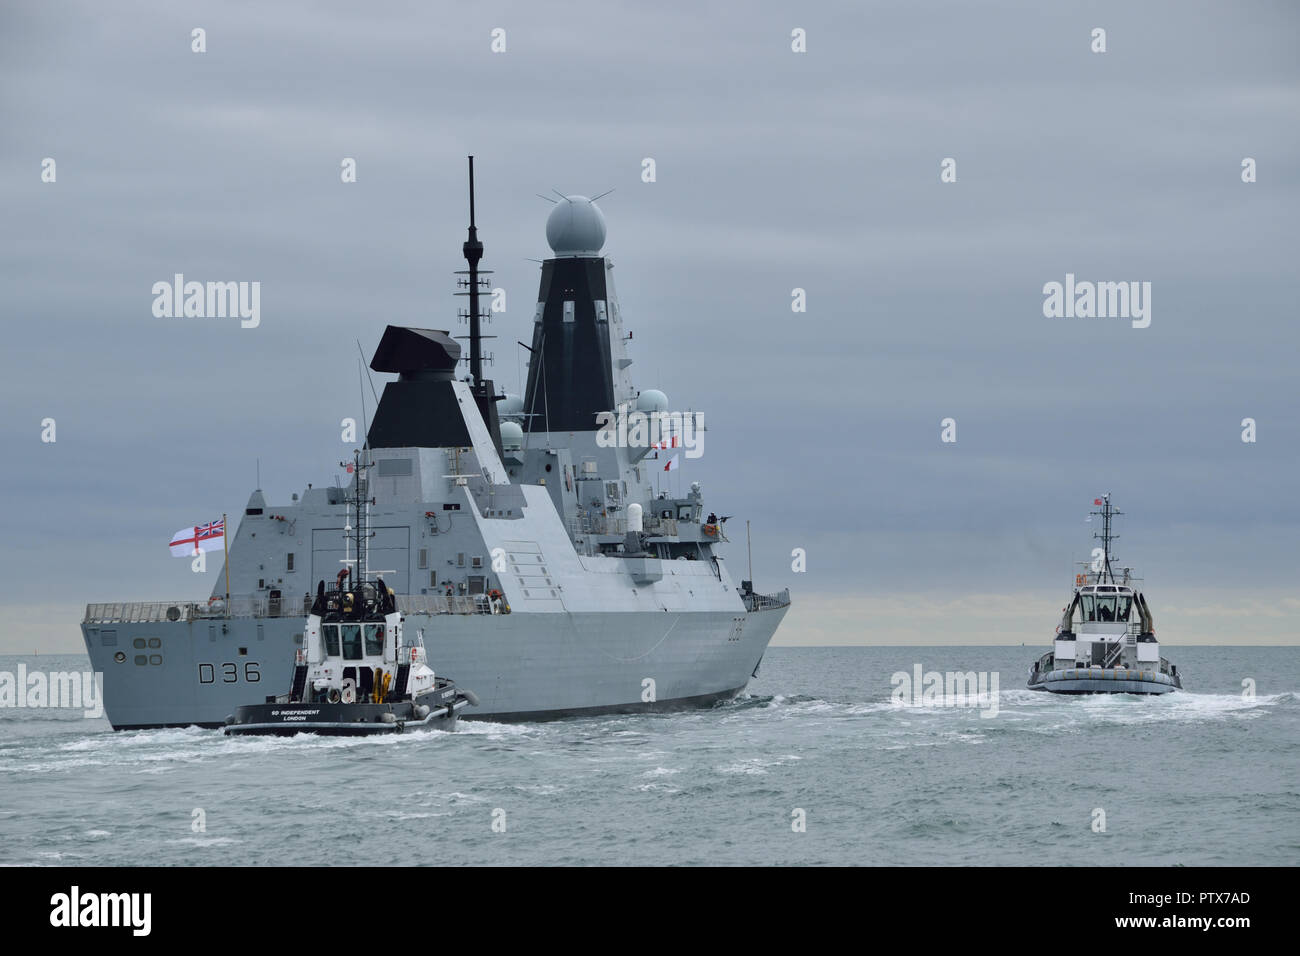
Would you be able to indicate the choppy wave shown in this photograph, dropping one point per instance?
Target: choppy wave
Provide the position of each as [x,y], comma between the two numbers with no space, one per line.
[877,782]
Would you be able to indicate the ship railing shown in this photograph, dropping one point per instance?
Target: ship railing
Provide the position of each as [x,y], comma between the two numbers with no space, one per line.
[439,604]
[584,523]
[766,602]
[143,612]
[1101,577]
[138,612]
[1113,654]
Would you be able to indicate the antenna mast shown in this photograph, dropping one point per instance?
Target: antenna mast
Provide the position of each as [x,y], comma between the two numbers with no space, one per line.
[475,282]
[1107,512]
[473,250]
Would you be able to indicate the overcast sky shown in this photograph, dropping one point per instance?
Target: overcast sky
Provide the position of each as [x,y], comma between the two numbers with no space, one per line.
[775,170]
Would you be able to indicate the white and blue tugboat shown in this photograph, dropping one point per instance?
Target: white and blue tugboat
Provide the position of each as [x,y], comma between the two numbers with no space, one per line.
[1106,642]
[358,672]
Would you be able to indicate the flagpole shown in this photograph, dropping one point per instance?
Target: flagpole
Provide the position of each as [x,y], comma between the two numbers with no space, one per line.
[226,547]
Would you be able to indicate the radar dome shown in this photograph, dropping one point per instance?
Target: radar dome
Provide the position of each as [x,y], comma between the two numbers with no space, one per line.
[652,400]
[576,227]
[512,406]
[512,436]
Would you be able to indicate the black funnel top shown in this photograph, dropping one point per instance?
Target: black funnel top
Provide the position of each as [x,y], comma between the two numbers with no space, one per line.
[420,409]
[408,351]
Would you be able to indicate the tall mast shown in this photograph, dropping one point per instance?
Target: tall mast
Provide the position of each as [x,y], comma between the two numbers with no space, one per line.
[476,282]
[1106,513]
[360,502]
[473,250]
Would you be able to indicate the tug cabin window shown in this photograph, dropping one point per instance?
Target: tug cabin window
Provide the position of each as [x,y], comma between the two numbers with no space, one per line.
[1105,605]
[331,635]
[351,641]
[374,640]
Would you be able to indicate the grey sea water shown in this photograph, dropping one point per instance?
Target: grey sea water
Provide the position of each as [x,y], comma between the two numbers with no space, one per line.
[1207,776]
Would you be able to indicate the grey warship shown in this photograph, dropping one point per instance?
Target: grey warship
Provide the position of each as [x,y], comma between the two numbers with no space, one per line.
[531,554]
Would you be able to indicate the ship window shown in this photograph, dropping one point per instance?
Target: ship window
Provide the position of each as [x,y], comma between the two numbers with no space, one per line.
[140,660]
[460,559]
[1125,602]
[476,561]
[155,659]
[288,561]
[155,642]
[351,641]
[374,639]
[423,561]
[1086,610]
[1105,607]
[433,579]
[138,643]
[331,640]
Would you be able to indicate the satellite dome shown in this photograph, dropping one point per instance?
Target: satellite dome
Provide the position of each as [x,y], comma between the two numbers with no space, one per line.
[652,400]
[512,436]
[576,227]
[512,406]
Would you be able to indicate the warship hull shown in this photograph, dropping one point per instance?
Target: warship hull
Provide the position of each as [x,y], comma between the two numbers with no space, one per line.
[520,666]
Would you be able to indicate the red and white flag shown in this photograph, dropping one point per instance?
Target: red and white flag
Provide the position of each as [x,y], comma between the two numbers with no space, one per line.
[672,464]
[673,442]
[1096,501]
[204,537]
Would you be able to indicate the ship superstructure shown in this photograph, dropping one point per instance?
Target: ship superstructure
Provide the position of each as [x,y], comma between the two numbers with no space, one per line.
[531,553]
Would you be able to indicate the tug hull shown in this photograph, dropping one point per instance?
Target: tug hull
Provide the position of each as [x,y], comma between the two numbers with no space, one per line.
[1104,680]
[347,720]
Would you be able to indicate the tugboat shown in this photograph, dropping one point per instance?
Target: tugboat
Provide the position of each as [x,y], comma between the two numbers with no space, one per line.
[1106,642]
[358,672]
